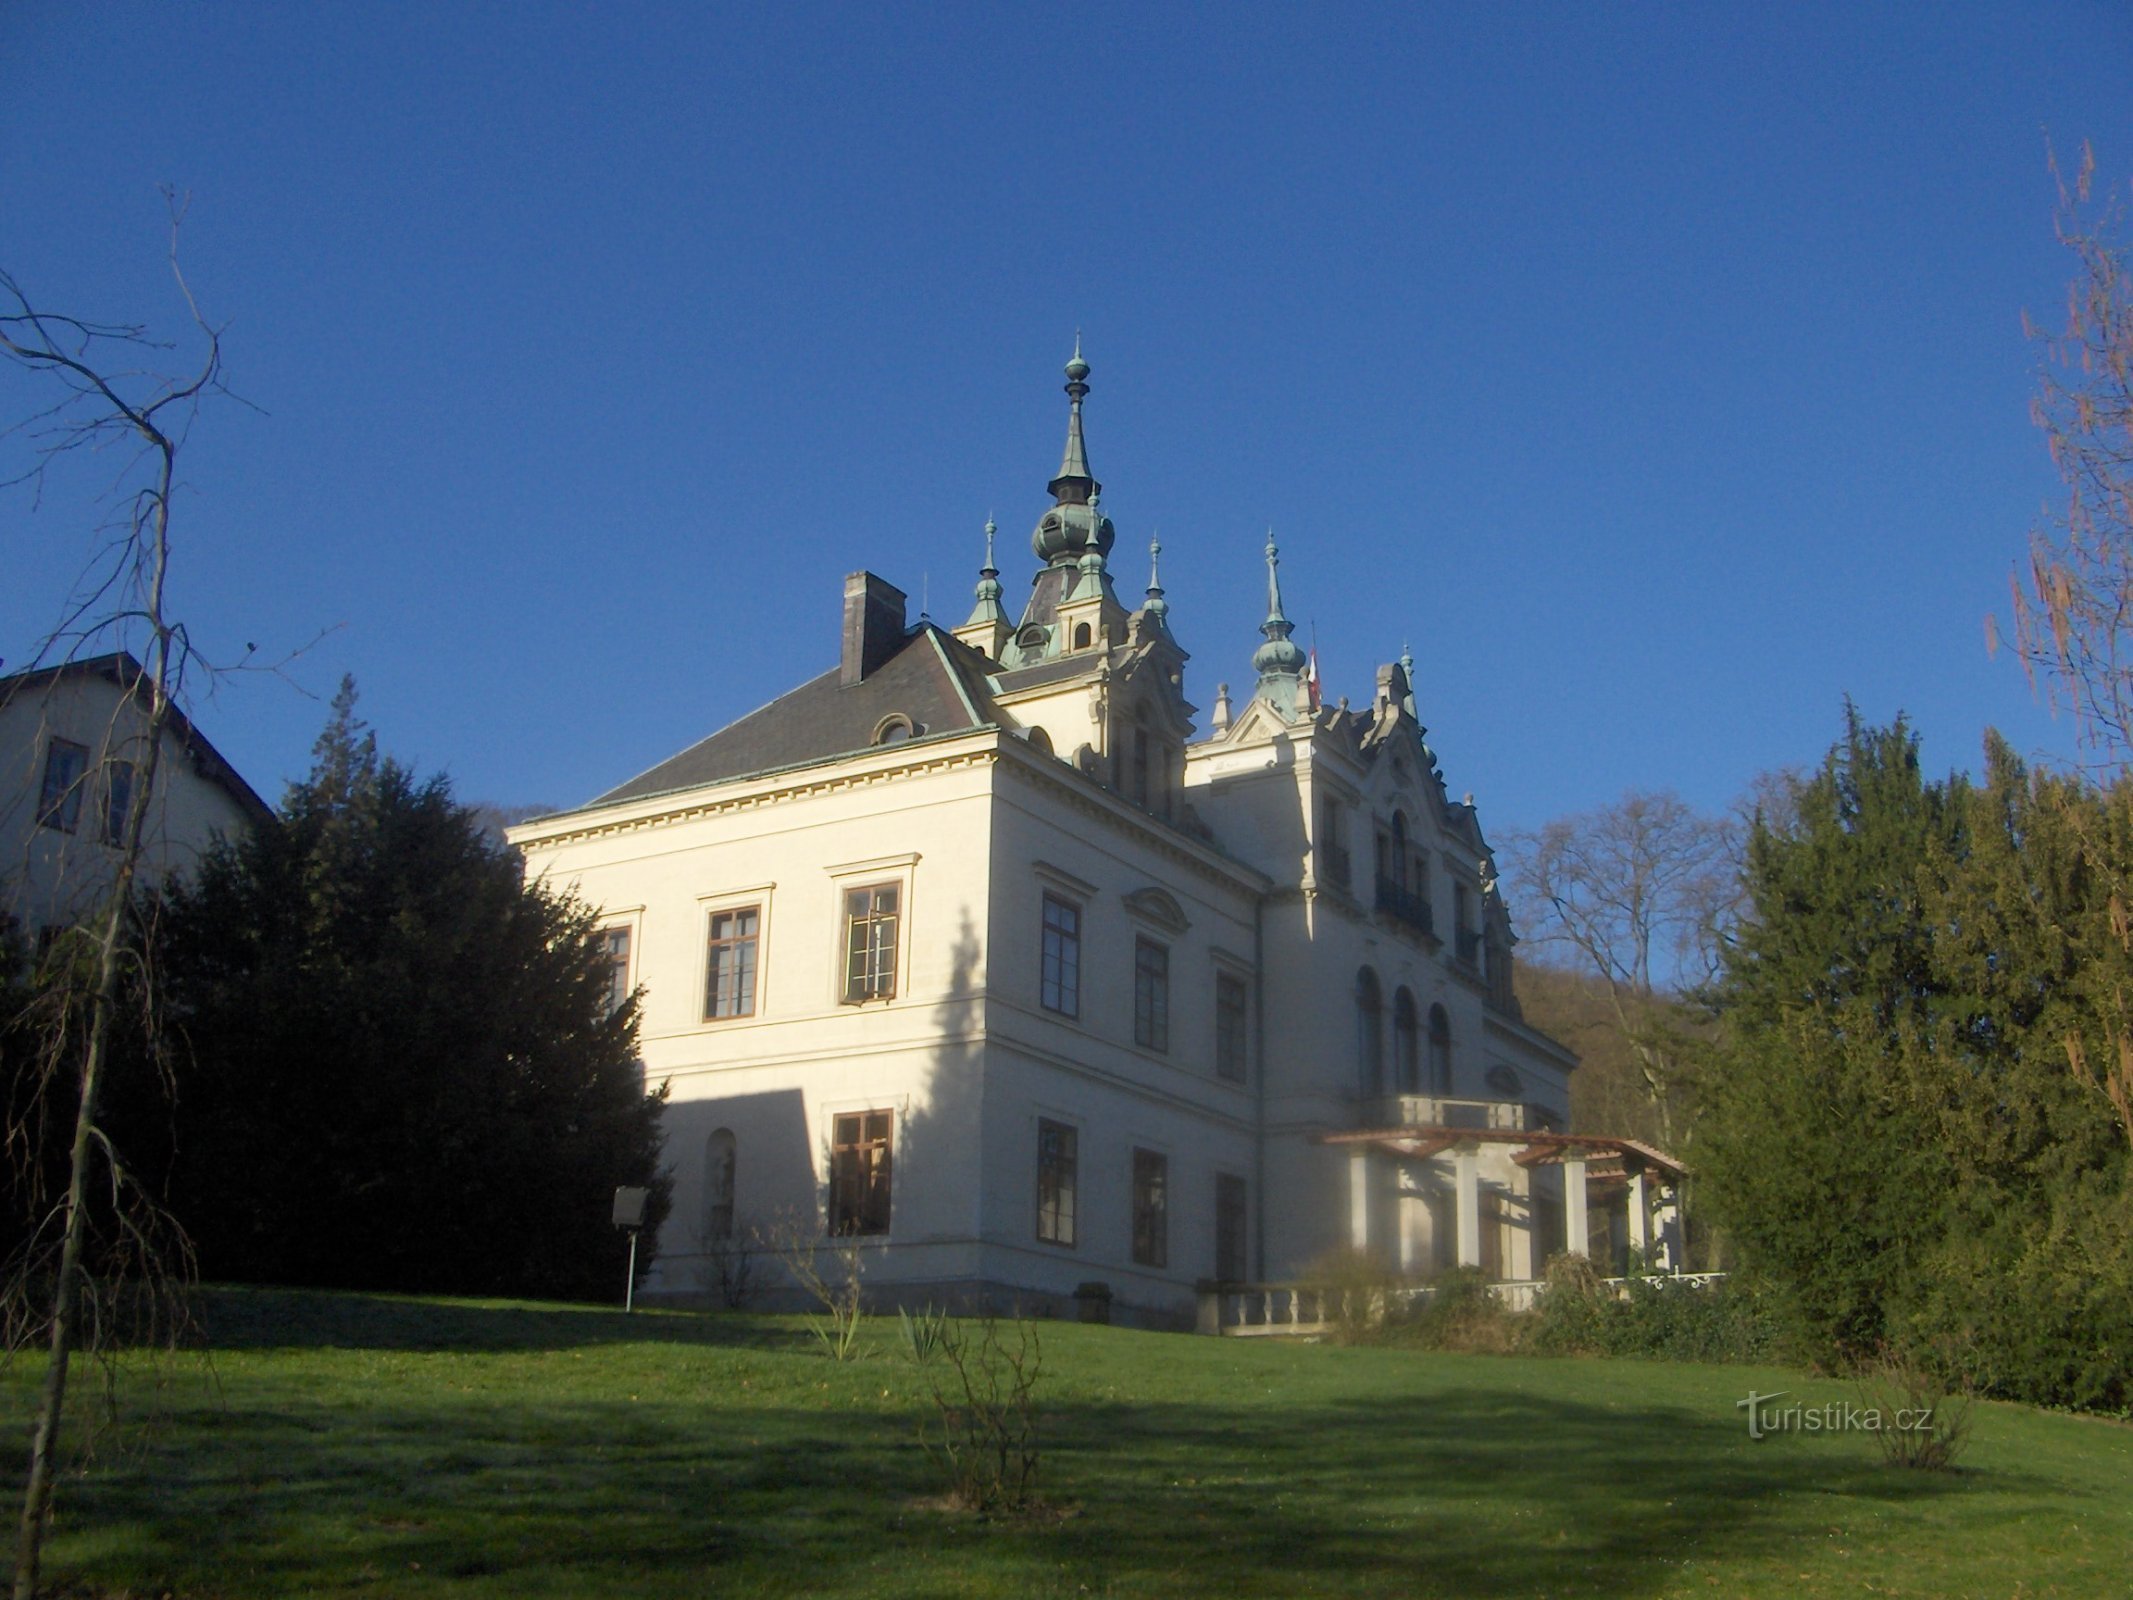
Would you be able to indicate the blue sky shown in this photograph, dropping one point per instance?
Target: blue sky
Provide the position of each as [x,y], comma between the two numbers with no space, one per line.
[1655,372]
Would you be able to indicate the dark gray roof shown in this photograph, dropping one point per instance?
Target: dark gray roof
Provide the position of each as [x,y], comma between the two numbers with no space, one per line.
[933,679]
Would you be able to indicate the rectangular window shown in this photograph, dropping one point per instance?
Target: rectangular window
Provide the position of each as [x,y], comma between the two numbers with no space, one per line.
[1230,1034]
[870,942]
[729,979]
[1060,989]
[614,948]
[118,799]
[1335,838]
[1151,1209]
[1056,1149]
[1151,995]
[1232,1230]
[59,804]
[859,1172]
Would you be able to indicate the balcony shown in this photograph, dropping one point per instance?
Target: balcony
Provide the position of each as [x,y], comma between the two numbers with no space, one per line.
[1404,905]
[1443,1111]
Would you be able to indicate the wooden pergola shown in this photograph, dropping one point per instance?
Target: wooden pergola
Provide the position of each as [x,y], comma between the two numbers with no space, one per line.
[1582,1156]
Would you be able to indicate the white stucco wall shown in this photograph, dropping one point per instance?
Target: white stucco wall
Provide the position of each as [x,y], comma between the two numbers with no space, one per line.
[50,876]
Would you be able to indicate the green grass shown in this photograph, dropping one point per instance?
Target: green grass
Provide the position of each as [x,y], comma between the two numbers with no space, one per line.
[349,1445]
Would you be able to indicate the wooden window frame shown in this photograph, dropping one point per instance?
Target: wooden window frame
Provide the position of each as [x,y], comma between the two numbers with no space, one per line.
[744,1004]
[119,779]
[1233,1028]
[862,1172]
[59,794]
[620,961]
[1059,956]
[1151,1208]
[1058,1181]
[1151,994]
[864,977]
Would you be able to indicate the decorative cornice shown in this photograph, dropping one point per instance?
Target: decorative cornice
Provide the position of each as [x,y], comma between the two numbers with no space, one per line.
[725,799]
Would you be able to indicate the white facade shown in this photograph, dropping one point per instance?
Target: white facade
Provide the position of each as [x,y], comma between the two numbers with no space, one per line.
[72,739]
[1123,995]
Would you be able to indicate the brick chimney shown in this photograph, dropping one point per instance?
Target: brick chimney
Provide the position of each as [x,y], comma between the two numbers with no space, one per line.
[873,625]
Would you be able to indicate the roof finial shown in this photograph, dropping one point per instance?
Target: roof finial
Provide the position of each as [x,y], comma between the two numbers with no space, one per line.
[1157,606]
[988,606]
[1280,661]
[1073,484]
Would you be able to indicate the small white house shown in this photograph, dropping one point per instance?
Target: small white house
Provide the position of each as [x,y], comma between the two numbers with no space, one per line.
[970,949]
[73,743]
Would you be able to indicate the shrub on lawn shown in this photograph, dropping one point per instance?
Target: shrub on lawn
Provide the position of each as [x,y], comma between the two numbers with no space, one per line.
[984,1429]
[1920,1421]
[1358,1291]
[1666,1318]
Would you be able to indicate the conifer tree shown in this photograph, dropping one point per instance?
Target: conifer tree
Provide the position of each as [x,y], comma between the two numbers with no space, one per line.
[1817,1155]
[405,1068]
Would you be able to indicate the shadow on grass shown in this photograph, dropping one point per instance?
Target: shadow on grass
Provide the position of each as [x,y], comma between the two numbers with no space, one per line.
[235,1317]
[1480,1491]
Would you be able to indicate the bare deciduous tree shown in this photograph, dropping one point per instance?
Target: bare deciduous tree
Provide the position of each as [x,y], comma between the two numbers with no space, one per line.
[2074,606]
[1637,893]
[99,1251]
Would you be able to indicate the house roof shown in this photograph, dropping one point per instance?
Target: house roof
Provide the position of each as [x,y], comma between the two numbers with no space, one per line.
[123,669]
[934,680]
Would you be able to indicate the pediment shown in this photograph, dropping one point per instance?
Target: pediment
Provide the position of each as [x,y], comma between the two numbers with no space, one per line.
[1158,907]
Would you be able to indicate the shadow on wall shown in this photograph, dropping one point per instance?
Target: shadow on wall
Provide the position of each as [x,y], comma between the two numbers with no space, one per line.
[748,1175]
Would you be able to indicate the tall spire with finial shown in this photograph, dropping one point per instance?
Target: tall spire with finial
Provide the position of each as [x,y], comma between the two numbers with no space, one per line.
[988,609]
[1092,555]
[1074,484]
[1157,606]
[1279,662]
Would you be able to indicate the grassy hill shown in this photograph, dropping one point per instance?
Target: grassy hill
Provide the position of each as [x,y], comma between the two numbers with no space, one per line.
[352,1445]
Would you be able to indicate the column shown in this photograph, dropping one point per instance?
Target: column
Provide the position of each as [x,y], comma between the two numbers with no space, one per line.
[1467,1164]
[1640,1217]
[1577,1228]
[1359,1198]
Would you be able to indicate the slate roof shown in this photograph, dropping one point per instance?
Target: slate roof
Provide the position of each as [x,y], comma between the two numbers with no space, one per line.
[934,679]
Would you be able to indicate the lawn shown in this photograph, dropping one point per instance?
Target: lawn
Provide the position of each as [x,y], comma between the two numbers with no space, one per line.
[350,1445]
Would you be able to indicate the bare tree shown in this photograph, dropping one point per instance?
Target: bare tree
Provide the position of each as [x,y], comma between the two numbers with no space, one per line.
[68,1286]
[1638,894]
[2073,607]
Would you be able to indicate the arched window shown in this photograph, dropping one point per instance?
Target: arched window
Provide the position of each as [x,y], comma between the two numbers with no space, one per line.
[1440,1051]
[719,1156]
[1369,1035]
[1082,636]
[1406,1045]
[1140,766]
[1040,740]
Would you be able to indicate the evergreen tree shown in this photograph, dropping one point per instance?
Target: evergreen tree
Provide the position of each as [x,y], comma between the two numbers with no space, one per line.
[1817,1153]
[403,1070]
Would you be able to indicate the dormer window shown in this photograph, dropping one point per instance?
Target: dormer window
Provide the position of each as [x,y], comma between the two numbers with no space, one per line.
[895,728]
[1082,636]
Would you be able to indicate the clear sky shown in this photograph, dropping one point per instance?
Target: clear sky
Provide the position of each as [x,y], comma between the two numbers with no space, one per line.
[1655,372]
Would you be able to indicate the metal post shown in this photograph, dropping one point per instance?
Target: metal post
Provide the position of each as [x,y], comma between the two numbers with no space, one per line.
[629,1284]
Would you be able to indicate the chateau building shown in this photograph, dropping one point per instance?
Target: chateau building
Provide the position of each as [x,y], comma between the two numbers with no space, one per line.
[970,948]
